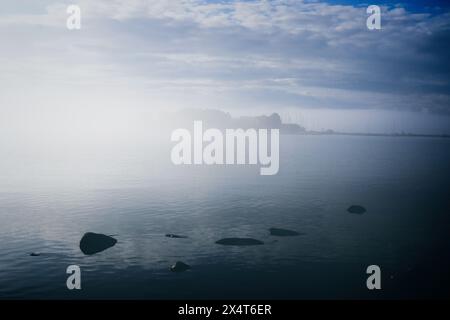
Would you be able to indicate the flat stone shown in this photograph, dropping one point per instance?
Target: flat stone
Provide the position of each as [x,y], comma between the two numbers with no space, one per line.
[180,266]
[239,242]
[171,235]
[356,209]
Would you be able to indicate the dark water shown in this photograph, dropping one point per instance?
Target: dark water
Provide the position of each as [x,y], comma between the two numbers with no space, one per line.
[48,200]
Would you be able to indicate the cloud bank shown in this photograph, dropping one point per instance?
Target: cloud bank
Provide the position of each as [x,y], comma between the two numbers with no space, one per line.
[226,54]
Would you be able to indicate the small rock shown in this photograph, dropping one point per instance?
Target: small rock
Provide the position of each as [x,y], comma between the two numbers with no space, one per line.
[171,235]
[180,267]
[239,242]
[35,254]
[92,243]
[356,209]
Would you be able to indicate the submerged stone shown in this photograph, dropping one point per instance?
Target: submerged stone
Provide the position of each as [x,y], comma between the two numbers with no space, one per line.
[35,254]
[171,235]
[95,242]
[356,209]
[239,242]
[283,232]
[180,266]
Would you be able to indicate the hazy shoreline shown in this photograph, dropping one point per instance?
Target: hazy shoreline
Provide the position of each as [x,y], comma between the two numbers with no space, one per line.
[403,135]
[214,118]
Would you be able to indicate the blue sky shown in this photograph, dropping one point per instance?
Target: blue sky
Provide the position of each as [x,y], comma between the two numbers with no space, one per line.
[244,56]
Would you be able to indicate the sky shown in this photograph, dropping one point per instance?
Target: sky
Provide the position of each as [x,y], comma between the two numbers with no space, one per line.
[314,62]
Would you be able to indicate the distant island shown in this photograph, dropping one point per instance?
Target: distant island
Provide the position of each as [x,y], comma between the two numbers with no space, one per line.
[223,120]
[213,118]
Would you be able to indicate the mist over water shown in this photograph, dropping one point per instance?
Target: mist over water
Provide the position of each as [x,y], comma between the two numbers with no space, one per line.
[91,92]
[49,197]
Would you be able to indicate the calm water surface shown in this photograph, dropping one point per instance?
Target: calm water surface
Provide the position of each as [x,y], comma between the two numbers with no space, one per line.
[50,197]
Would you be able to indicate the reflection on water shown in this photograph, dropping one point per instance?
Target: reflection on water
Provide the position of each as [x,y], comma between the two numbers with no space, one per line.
[49,200]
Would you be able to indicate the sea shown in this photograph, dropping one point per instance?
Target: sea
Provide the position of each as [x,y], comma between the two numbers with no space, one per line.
[50,196]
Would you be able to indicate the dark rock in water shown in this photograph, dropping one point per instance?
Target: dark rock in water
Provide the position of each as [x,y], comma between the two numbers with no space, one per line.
[35,254]
[239,242]
[171,235]
[179,267]
[356,209]
[283,232]
[95,242]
